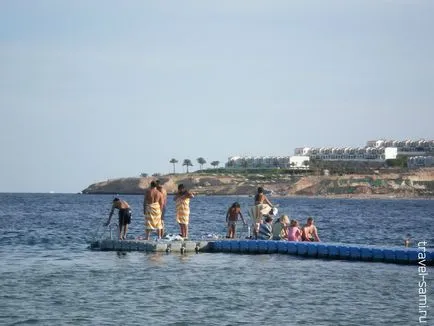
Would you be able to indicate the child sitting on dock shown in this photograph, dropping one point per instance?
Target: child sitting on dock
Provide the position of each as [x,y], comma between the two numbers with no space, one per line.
[231,219]
[280,228]
[294,232]
[266,229]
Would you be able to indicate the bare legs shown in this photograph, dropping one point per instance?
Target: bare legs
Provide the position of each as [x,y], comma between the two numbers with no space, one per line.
[184,230]
[256,230]
[161,231]
[148,231]
[231,231]
[123,229]
[147,234]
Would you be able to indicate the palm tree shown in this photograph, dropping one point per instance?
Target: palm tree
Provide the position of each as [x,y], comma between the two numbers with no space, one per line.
[201,162]
[215,163]
[187,163]
[173,161]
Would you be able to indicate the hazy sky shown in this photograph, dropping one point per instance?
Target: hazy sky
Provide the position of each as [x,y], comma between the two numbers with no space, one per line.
[91,90]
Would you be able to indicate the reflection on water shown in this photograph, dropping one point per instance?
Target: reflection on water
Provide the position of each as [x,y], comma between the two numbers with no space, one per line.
[121,254]
[155,258]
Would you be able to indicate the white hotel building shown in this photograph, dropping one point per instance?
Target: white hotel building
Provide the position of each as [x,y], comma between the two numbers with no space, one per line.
[419,152]
[267,162]
[348,153]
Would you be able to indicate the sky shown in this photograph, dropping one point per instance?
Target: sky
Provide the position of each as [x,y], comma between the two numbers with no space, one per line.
[102,89]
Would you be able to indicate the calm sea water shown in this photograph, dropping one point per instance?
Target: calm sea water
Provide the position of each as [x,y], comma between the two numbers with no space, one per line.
[48,276]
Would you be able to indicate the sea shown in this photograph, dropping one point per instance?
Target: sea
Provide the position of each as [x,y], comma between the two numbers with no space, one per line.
[49,276]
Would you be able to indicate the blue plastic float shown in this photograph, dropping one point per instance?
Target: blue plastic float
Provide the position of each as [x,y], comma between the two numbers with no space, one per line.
[341,251]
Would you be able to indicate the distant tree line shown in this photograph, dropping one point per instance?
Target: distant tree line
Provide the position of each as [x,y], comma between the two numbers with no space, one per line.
[187,163]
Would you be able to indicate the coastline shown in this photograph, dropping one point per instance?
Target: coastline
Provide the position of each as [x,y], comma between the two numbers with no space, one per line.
[418,184]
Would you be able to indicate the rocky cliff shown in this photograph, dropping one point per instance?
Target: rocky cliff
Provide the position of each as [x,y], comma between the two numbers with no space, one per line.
[418,183]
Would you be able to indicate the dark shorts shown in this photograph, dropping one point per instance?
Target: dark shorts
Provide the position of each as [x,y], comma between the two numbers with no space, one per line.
[232,223]
[124,216]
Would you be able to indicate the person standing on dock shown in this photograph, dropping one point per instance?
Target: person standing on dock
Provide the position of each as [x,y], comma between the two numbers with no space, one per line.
[124,216]
[152,204]
[260,198]
[163,192]
[262,208]
[182,200]
[231,219]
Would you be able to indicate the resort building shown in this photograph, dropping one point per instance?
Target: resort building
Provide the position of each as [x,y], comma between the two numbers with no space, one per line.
[348,153]
[267,162]
[420,147]
[416,162]
[376,152]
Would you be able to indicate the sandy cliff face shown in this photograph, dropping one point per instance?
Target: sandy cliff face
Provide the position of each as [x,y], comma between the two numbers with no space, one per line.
[410,184]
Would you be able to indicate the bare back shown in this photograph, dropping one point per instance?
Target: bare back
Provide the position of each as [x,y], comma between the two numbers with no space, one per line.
[152,195]
[163,193]
[124,205]
[262,199]
[310,233]
[233,213]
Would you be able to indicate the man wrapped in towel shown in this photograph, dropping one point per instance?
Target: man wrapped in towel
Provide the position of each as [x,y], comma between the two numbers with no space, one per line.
[257,213]
[182,200]
[262,207]
[152,205]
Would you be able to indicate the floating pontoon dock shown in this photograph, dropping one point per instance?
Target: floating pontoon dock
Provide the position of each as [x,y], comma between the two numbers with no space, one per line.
[398,255]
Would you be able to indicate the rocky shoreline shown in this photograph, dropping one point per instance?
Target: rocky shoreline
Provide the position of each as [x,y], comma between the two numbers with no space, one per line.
[410,184]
